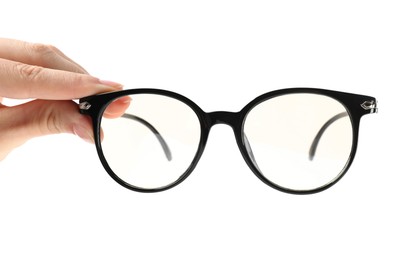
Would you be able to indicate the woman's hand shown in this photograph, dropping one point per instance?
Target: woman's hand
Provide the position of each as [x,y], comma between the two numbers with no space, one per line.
[45,74]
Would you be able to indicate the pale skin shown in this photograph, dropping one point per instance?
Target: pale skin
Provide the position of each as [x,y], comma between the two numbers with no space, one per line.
[46,75]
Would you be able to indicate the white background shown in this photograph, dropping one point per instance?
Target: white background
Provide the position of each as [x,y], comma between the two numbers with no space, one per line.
[57,201]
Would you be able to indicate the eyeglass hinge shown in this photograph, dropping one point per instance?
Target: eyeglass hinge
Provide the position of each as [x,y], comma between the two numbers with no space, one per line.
[84,106]
[370,105]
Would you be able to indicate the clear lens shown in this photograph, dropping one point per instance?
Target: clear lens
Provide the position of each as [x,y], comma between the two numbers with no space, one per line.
[153,143]
[281,133]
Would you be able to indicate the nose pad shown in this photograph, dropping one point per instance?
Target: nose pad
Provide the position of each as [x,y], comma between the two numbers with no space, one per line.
[250,151]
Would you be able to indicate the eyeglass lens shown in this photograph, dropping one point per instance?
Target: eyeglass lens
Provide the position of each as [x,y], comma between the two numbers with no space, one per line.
[153,143]
[281,132]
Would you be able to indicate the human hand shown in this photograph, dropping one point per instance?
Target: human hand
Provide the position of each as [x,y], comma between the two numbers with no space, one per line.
[45,74]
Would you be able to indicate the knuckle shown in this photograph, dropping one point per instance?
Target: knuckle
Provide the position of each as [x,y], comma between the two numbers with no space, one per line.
[41,49]
[53,122]
[48,119]
[42,53]
[28,72]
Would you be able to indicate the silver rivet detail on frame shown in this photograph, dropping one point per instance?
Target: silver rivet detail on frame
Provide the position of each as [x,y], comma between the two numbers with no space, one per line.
[85,105]
[370,105]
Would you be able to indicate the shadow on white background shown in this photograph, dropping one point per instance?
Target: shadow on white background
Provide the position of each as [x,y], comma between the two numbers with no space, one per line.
[57,201]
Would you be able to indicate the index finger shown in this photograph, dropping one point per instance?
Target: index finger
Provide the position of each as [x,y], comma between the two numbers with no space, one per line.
[23,81]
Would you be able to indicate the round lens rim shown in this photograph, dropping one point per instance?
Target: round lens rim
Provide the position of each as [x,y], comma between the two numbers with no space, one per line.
[346,99]
[105,99]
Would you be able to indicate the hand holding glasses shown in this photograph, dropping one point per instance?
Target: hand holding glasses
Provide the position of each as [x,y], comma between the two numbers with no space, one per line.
[297,140]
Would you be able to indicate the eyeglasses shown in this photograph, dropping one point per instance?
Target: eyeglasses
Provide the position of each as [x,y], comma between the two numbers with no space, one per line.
[298,140]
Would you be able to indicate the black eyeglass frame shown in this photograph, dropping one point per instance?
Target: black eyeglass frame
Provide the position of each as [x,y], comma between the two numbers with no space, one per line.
[356,106]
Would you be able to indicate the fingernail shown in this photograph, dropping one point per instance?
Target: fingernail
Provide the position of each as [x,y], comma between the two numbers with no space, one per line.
[112,84]
[84,133]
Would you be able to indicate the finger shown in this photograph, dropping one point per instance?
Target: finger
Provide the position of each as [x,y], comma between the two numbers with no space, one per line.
[42,55]
[38,118]
[18,80]
[118,107]
[60,53]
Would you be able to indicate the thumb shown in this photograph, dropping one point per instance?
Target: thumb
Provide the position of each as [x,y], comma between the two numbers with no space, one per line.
[39,118]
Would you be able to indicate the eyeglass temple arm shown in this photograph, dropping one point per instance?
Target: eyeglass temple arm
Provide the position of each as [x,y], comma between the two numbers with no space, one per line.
[321,131]
[162,141]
